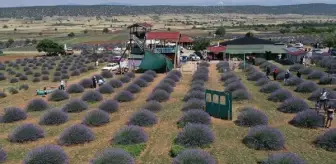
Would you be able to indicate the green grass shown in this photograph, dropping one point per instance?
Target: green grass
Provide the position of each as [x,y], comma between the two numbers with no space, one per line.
[134,150]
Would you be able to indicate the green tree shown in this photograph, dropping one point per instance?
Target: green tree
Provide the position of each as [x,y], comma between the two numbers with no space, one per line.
[220,31]
[85,31]
[105,30]
[249,34]
[4,26]
[201,44]
[71,35]
[50,47]
[330,40]
[40,33]
[56,29]
[15,29]
[168,28]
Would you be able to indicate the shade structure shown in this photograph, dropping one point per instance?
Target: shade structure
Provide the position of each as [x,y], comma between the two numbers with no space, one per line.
[155,61]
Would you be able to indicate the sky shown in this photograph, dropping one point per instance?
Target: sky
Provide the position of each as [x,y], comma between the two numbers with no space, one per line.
[15,3]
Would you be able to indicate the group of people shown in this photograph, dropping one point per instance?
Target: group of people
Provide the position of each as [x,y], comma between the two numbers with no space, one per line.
[276,72]
[96,81]
[323,103]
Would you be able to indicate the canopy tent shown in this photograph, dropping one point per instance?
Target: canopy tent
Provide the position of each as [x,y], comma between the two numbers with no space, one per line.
[258,49]
[155,61]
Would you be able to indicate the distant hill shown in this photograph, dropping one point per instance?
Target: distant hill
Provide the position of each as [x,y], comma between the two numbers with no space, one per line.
[114,10]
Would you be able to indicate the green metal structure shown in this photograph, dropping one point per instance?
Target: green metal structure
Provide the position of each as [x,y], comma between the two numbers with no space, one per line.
[218,104]
[155,61]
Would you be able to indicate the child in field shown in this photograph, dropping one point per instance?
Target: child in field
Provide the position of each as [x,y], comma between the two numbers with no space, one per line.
[330,116]
[275,74]
[287,75]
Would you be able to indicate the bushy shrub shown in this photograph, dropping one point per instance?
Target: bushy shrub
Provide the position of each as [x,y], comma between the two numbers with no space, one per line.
[280,95]
[296,67]
[56,79]
[240,94]
[75,73]
[176,73]
[3,155]
[306,87]
[193,156]
[195,135]
[197,87]
[107,74]
[143,117]
[270,87]
[109,106]
[327,80]
[96,118]
[153,106]
[36,79]
[2,77]
[12,114]
[76,134]
[198,82]
[75,88]
[308,119]
[262,81]
[57,73]
[58,95]
[192,104]
[92,96]
[196,116]
[125,79]
[65,76]
[147,77]
[124,96]
[293,81]
[171,82]
[133,88]
[13,91]
[316,75]
[281,76]
[283,158]
[227,75]
[200,76]
[45,72]
[37,74]
[165,87]
[75,106]
[83,70]
[130,74]
[264,138]
[255,76]
[250,117]
[150,72]
[194,94]
[51,154]
[159,95]
[36,105]
[113,156]
[23,78]
[305,71]
[25,133]
[317,93]
[222,64]
[86,83]
[142,83]
[14,80]
[53,117]
[115,83]
[234,86]
[106,89]
[231,80]
[2,95]
[327,140]
[129,135]
[293,105]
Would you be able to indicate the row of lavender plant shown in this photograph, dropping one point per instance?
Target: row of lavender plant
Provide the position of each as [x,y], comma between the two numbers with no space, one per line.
[272,138]
[195,123]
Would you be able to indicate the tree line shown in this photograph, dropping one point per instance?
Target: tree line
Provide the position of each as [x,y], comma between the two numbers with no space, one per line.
[108,10]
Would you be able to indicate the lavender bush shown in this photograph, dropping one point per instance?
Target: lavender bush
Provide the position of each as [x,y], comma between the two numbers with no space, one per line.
[293,105]
[264,138]
[283,158]
[76,134]
[96,118]
[25,133]
[53,117]
[306,87]
[130,135]
[143,117]
[75,106]
[109,106]
[280,95]
[113,156]
[250,117]
[308,119]
[193,156]
[51,154]
[12,114]
[124,96]
[195,135]
[36,105]
[327,140]
[92,96]
[195,117]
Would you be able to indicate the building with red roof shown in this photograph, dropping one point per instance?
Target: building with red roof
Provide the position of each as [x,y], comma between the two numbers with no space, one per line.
[216,52]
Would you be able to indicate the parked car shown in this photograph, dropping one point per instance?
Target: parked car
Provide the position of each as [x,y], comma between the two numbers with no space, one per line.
[111,67]
[194,57]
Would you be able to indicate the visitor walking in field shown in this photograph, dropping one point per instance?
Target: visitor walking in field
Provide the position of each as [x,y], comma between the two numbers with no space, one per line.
[94,82]
[298,74]
[268,71]
[324,98]
[62,86]
[287,75]
[275,74]
[330,116]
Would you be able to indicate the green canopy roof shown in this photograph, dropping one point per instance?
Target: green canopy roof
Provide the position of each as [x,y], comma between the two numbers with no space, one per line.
[155,61]
[248,49]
